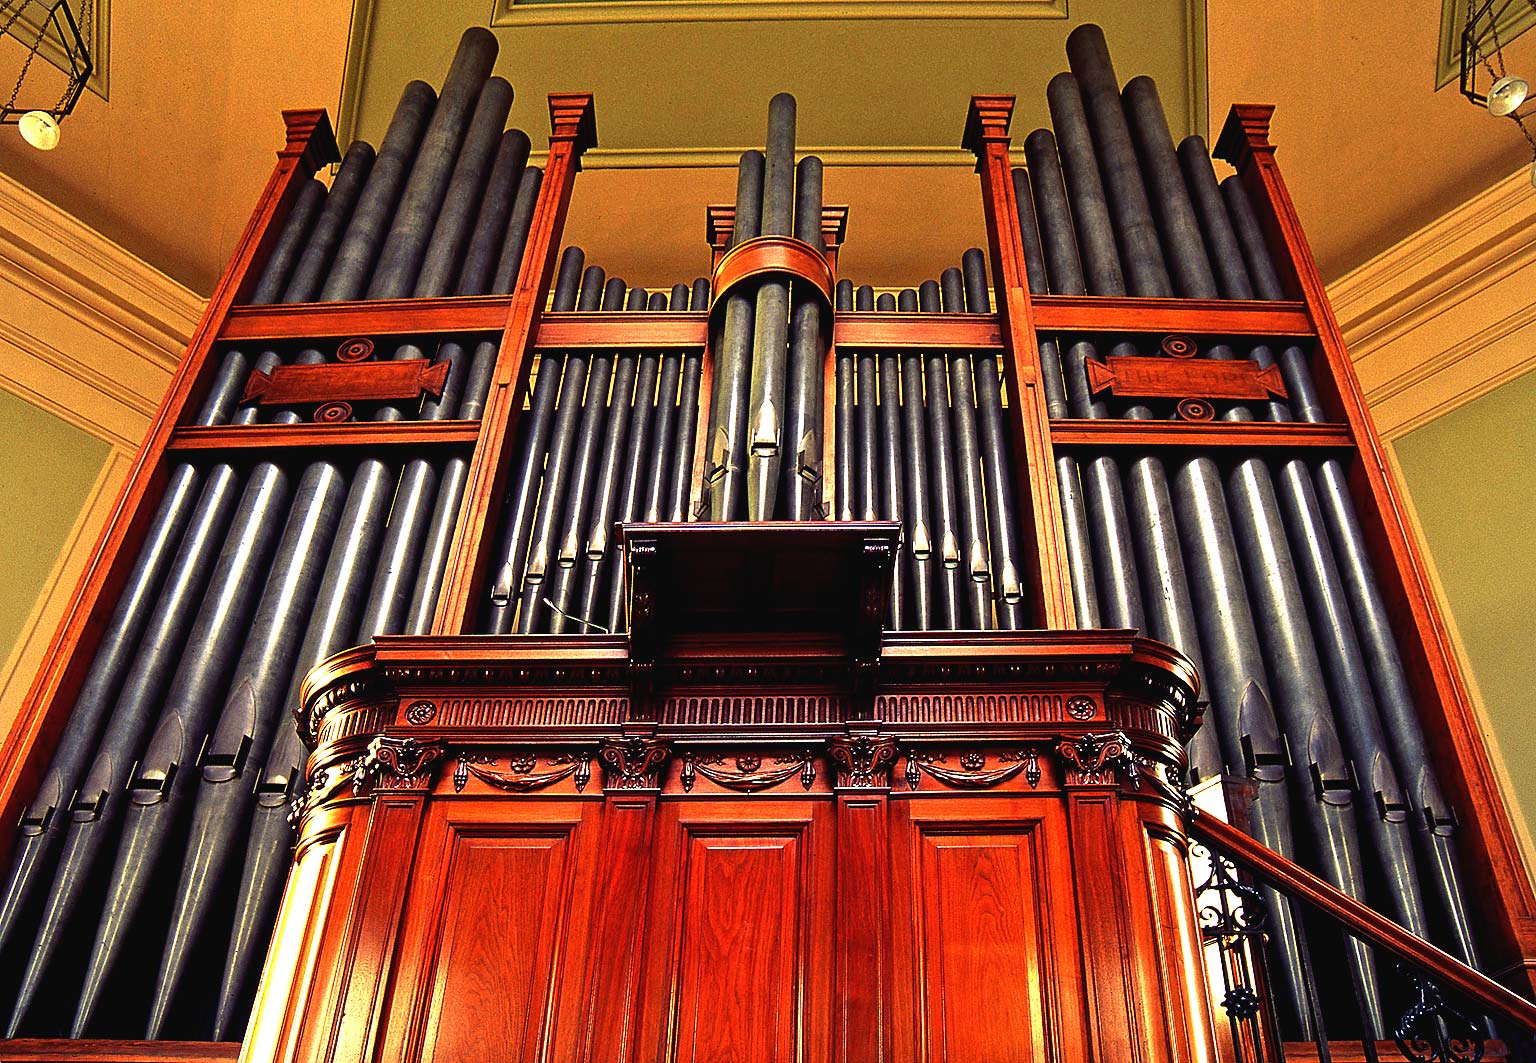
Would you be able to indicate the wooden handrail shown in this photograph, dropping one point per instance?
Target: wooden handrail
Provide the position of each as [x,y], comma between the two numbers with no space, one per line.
[1369,926]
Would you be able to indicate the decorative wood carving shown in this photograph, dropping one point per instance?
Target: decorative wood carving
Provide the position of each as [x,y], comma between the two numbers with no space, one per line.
[973,772]
[521,775]
[303,385]
[863,761]
[749,774]
[1179,377]
[633,762]
[396,764]
[1095,759]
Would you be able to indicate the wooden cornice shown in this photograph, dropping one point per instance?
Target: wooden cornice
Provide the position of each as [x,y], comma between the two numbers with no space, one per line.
[98,332]
[1427,320]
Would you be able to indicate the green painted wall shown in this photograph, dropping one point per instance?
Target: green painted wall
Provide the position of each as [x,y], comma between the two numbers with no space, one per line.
[46,476]
[1472,477]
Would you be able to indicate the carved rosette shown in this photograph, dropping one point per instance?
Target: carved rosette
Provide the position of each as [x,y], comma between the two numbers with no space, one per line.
[863,762]
[633,762]
[396,764]
[1097,759]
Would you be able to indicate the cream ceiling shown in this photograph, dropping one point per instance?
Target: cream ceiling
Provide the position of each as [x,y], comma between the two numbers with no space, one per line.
[171,164]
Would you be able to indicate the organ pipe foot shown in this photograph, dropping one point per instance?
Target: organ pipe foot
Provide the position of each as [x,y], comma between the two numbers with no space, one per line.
[82,847]
[146,834]
[220,814]
[261,887]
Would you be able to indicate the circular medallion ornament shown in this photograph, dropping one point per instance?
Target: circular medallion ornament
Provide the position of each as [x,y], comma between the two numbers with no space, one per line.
[420,712]
[1080,708]
[1196,410]
[1179,347]
[333,412]
[355,350]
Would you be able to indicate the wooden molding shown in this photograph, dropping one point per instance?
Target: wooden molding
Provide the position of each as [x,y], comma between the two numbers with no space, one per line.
[91,333]
[1435,320]
[556,13]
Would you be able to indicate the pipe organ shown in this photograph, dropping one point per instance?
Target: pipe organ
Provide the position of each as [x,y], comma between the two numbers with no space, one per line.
[489,658]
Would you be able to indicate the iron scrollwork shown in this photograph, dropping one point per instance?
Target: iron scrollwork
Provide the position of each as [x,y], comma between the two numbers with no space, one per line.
[1431,1031]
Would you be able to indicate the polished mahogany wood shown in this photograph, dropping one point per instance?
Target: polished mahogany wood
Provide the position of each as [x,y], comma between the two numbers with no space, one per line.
[651,330]
[366,317]
[1214,317]
[346,382]
[309,436]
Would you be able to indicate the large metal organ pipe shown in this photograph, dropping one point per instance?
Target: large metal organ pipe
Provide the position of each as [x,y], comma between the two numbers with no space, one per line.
[239,563]
[1239,565]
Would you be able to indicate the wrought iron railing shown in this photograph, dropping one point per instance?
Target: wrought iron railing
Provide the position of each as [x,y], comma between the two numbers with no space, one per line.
[1428,1007]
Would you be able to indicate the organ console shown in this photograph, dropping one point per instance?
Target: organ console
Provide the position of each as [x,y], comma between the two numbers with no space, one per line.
[504,662]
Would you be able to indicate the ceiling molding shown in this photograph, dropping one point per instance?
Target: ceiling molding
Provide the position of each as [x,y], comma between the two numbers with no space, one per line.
[92,333]
[1432,322]
[727,158]
[592,12]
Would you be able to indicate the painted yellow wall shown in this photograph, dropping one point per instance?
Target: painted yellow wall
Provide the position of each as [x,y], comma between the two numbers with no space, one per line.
[1442,328]
[44,483]
[1472,477]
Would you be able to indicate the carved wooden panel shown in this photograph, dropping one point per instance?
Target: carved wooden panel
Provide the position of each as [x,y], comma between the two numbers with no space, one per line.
[984,931]
[738,963]
[487,937]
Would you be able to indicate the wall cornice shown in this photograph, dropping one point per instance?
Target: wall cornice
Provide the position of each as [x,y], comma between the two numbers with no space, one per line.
[1432,322]
[92,333]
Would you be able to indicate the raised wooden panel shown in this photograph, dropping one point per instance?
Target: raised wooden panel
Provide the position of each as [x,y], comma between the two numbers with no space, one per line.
[739,960]
[990,957]
[487,935]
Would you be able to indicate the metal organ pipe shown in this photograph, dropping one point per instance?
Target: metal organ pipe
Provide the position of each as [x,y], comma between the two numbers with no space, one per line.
[725,456]
[941,475]
[140,665]
[536,428]
[1360,613]
[680,471]
[807,350]
[975,567]
[893,471]
[919,543]
[846,485]
[770,319]
[862,411]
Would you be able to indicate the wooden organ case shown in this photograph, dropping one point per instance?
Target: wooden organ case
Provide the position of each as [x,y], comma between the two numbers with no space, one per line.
[758,824]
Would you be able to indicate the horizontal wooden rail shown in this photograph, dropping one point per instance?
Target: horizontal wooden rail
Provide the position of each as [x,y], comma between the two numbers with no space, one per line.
[1197,317]
[350,434]
[622,329]
[678,328]
[372,317]
[1364,923]
[894,330]
[1086,433]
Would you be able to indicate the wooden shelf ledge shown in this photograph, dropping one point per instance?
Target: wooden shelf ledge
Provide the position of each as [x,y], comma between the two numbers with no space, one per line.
[1247,434]
[295,436]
